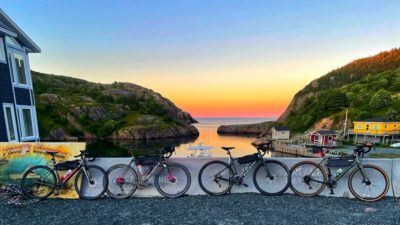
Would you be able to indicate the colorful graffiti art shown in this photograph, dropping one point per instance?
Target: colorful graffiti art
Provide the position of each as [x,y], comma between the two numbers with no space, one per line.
[16,158]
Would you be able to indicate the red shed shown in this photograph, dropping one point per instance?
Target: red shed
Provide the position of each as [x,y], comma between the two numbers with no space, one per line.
[323,137]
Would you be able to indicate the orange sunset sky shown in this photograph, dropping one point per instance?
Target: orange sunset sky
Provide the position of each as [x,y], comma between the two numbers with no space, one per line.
[211,58]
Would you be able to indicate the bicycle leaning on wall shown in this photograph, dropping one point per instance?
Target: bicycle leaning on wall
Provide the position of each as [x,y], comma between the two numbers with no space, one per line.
[270,177]
[366,182]
[40,181]
[171,179]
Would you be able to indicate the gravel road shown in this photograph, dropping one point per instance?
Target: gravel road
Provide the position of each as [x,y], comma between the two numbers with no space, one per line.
[229,209]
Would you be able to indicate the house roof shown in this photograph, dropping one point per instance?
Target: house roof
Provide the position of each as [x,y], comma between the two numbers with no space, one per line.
[326,132]
[377,119]
[9,27]
[281,128]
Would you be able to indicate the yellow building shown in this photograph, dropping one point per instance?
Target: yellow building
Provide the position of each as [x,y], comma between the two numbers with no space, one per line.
[376,129]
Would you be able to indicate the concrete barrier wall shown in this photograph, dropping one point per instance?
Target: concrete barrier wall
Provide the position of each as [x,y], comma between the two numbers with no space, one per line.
[391,166]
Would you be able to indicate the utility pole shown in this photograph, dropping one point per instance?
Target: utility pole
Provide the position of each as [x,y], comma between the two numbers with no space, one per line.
[345,121]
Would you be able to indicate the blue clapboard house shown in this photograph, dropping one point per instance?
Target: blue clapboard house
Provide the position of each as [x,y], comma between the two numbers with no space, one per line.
[18,121]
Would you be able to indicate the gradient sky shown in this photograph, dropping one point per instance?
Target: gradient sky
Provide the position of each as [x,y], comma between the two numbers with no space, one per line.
[213,58]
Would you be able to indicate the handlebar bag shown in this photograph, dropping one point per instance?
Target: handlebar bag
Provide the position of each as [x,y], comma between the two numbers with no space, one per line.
[148,160]
[340,161]
[67,165]
[248,158]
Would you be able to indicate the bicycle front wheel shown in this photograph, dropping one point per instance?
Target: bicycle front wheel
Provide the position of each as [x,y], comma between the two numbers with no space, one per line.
[173,180]
[38,182]
[271,179]
[307,178]
[122,181]
[371,187]
[93,187]
[215,178]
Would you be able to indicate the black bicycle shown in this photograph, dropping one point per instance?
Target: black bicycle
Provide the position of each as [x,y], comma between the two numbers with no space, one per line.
[366,182]
[270,177]
[171,179]
[40,181]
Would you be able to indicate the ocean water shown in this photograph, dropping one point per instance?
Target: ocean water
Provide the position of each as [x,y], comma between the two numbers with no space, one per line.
[208,137]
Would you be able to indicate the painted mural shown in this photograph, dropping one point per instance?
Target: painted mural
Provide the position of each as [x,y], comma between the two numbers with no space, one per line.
[16,158]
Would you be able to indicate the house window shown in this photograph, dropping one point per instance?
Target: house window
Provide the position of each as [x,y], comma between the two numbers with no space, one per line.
[359,126]
[26,122]
[20,68]
[376,127]
[330,138]
[12,42]
[2,51]
[9,117]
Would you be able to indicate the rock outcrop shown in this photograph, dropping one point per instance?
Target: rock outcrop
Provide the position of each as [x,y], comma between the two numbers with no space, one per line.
[70,108]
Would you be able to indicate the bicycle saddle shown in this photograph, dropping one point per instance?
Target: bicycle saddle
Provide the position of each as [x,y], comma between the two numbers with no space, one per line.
[51,153]
[227,148]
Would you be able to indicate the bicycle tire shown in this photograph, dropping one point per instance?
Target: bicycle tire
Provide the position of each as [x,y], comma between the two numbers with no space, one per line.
[113,182]
[258,173]
[52,182]
[161,178]
[81,179]
[295,184]
[202,182]
[358,195]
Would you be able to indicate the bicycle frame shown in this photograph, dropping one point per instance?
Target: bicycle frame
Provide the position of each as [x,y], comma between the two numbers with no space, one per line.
[61,183]
[357,163]
[246,170]
[143,179]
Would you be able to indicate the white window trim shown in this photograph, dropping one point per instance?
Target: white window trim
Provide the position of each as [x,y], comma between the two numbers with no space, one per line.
[3,51]
[22,123]
[28,75]
[14,120]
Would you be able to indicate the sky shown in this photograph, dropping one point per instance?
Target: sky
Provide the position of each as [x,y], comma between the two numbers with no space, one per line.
[222,58]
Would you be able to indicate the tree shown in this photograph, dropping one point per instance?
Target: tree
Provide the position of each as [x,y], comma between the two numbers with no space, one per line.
[380,99]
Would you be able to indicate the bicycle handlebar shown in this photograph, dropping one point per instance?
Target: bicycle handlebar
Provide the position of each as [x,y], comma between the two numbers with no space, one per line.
[264,147]
[167,151]
[85,153]
[360,150]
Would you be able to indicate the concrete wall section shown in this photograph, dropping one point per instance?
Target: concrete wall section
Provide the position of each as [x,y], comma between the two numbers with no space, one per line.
[391,166]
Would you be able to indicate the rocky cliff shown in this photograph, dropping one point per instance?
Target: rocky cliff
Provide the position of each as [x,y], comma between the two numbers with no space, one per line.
[70,108]
[368,87]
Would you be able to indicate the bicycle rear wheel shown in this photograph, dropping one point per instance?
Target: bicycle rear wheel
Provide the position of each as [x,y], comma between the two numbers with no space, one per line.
[173,180]
[215,178]
[122,181]
[38,182]
[93,188]
[372,190]
[275,183]
[307,178]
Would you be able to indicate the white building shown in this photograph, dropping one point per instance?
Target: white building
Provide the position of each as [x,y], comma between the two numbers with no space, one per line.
[280,133]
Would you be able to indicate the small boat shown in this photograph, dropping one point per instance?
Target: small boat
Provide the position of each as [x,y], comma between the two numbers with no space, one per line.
[200,150]
[395,145]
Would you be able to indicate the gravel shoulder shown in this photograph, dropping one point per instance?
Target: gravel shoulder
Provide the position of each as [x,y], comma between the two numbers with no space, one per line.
[229,209]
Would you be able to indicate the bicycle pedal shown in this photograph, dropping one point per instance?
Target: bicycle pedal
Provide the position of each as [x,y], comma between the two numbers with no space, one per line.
[332,193]
[245,185]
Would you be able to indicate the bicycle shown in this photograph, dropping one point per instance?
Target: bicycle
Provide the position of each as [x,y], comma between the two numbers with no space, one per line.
[270,177]
[40,181]
[170,179]
[366,182]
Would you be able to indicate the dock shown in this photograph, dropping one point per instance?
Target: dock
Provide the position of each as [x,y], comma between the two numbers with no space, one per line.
[288,148]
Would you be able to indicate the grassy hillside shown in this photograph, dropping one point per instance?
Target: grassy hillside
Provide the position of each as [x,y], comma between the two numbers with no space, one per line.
[69,107]
[369,87]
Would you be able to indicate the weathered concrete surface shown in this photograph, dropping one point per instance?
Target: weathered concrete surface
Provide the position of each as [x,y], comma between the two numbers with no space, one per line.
[391,166]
